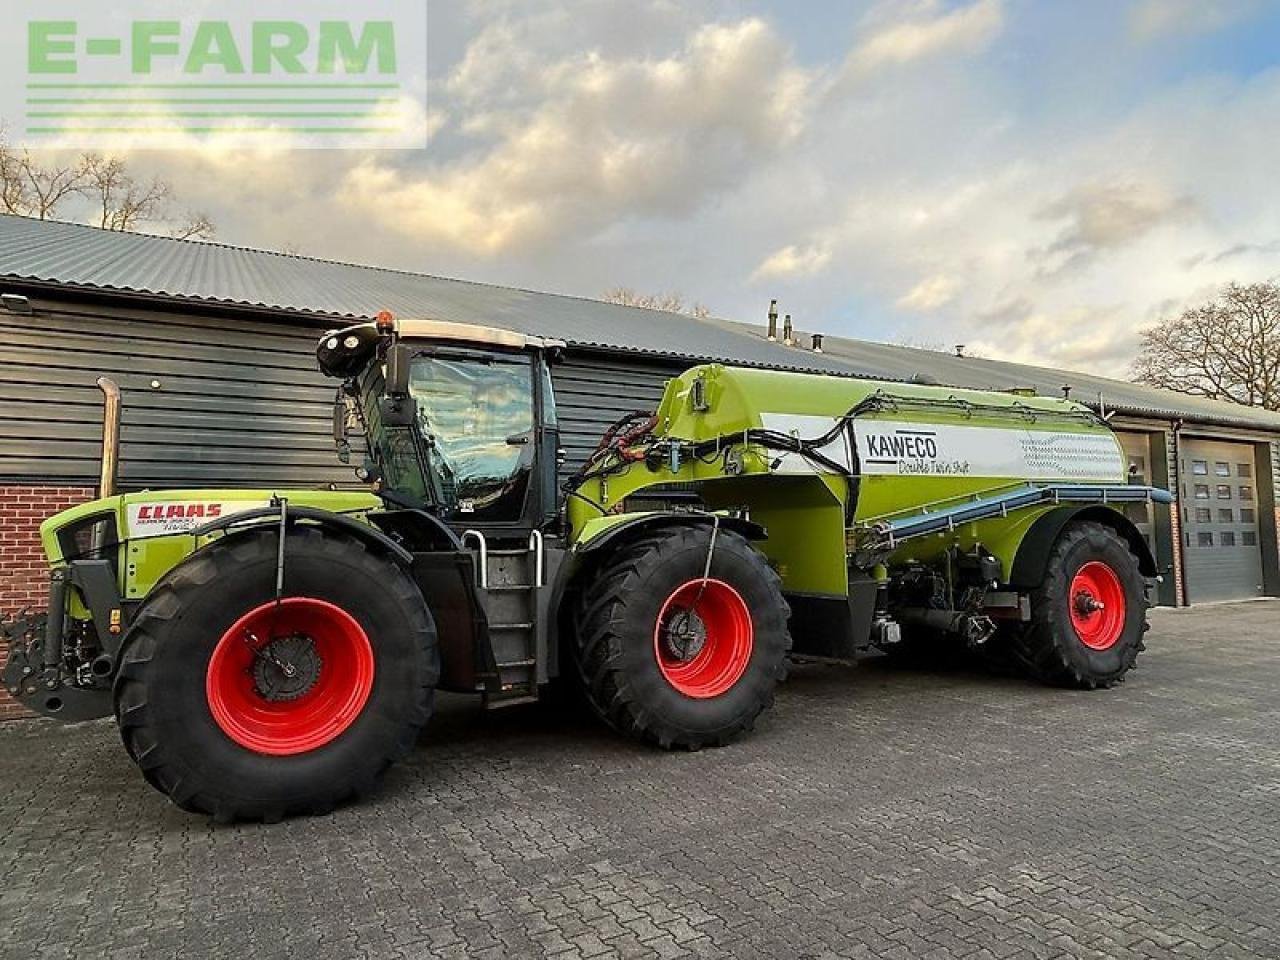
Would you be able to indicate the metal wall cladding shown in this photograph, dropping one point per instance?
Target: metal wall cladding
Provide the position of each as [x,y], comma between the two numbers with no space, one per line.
[217,401]
[593,391]
[208,401]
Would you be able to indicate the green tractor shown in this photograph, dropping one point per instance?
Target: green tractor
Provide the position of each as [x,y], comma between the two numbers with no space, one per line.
[270,652]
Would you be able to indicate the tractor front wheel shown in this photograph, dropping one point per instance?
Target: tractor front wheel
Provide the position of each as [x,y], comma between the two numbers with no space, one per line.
[678,655]
[243,705]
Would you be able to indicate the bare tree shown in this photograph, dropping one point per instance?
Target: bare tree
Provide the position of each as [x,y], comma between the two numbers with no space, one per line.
[121,200]
[32,189]
[670,302]
[117,200]
[1228,349]
[196,226]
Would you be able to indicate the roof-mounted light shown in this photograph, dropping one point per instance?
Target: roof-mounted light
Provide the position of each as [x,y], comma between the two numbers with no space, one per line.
[385,322]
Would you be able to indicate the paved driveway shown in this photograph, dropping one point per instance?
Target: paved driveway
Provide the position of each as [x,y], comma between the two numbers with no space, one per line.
[878,812]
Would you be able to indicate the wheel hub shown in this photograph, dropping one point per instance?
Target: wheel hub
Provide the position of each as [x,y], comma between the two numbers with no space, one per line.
[703,638]
[685,635]
[1087,604]
[296,691]
[1097,606]
[286,668]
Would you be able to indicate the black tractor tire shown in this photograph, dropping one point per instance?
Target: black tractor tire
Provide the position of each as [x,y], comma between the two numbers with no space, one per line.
[165,711]
[632,598]
[1056,648]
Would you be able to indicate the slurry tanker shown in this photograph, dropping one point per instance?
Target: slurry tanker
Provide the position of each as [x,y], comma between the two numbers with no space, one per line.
[270,652]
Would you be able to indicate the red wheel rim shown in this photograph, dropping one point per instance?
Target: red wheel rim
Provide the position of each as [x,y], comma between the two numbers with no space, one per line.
[1097,606]
[704,638]
[332,661]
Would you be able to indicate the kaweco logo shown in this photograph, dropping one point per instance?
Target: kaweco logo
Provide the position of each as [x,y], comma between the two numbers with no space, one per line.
[309,73]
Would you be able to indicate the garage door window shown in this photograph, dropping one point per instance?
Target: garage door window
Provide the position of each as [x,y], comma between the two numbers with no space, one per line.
[1226,516]
[1222,469]
[1202,491]
[1204,539]
[1200,468]
[1224,491]
[1228,539]
[1247,515]
[1246,493]
[1249,538]
[1246,469]
[1204,515]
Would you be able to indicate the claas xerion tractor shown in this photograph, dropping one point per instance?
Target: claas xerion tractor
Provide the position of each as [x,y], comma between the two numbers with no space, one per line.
[271,652]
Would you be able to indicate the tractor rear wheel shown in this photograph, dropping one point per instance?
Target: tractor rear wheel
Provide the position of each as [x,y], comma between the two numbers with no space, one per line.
[242,707]
[1089,614]
[673,654]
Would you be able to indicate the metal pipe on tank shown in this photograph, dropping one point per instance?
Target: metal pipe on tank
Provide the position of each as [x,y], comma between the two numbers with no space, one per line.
[110,436]
[773,319]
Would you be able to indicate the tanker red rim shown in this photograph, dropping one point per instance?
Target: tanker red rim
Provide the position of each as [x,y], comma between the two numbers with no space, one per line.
[1098,606]
[703,638]
[343,677]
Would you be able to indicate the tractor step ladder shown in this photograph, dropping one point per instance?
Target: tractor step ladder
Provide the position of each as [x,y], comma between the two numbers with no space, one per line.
[512,584]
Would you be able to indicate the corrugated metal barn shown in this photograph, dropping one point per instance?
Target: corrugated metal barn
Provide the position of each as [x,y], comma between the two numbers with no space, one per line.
[213,347]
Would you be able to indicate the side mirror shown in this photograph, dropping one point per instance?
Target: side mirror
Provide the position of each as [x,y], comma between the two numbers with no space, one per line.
[397,378]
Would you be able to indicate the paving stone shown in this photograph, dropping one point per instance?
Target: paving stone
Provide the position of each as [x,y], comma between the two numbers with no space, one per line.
[877,812]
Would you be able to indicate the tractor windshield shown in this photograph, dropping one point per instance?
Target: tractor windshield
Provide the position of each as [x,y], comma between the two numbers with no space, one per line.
[477,416]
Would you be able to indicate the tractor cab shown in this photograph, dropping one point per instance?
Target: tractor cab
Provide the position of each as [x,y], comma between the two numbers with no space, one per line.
[454,419]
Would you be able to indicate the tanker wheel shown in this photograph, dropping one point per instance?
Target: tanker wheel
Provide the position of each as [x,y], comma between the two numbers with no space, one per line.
[240,707]
[1089,614]
[674,656]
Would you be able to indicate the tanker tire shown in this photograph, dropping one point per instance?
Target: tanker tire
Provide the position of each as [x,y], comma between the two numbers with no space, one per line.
[1049,649]
[161,704]
[614,658]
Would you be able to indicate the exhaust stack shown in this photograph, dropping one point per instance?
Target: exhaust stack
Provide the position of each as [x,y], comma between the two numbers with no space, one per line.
[788,332]
[773,319]
[110,436]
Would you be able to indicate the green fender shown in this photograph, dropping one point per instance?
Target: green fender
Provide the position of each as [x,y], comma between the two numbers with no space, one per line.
[602,532]
[1033,551]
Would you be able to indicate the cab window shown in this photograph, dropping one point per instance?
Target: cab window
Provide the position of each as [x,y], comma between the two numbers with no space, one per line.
[477,414]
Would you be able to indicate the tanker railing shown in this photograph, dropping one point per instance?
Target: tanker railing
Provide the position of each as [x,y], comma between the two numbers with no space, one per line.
[887,532]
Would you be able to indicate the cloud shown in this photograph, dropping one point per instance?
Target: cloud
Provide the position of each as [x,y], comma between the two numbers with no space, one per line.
[1101,216]
[929,294]
[578,143]
[792,262]
[1041,203]
[1156,19]
[902,33]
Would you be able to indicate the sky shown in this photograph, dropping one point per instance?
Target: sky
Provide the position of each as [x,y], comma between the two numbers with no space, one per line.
[1036,179]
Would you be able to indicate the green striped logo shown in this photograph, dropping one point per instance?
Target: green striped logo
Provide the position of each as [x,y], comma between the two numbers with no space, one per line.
[296,73]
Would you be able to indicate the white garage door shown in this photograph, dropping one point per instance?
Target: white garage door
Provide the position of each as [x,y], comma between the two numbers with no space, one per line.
[1219,499]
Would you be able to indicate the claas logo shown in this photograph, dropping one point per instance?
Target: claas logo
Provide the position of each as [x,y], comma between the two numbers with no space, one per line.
[179,511]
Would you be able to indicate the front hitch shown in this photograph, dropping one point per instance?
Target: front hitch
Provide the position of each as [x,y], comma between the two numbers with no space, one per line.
[45,689]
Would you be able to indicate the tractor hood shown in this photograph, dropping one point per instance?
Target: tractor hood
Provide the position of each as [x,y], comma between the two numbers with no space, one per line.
[156,514]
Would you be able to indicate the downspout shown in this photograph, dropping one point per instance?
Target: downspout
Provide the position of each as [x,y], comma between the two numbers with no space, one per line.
[1178,505]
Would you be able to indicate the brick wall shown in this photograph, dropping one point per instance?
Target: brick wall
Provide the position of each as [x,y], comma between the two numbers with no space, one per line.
[23,570]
